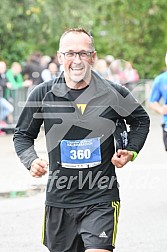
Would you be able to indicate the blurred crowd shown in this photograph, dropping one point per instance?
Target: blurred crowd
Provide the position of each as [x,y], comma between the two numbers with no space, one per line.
[39,68]
[23,76]
[116,70]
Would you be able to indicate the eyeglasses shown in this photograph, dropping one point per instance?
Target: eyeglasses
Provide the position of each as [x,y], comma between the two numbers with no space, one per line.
[72,55]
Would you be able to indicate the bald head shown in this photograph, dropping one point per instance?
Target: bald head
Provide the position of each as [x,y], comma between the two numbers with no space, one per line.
[77,31]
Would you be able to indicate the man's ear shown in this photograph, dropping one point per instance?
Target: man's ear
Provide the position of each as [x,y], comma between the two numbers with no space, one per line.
[94,57]
[59,57]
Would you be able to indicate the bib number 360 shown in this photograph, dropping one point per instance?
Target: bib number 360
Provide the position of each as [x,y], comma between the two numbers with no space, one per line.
[80,154]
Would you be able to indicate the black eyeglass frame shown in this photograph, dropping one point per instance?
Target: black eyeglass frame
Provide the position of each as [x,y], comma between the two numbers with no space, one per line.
[82,55]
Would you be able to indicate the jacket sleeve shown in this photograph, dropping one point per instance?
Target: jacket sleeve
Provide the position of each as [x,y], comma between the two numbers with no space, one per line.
[136,117]
[27,129]
[139,123]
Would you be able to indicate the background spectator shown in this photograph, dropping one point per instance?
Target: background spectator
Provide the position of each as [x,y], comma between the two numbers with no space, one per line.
[6,109]
[15,77]
[50,72]
[122,72]
[100,66]
[130,74]
[33,68]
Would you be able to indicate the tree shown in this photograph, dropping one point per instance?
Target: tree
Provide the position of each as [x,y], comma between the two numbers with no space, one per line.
[129,30]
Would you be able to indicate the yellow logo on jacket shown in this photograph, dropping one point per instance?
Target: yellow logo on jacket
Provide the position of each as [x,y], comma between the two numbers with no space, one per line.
[81,107]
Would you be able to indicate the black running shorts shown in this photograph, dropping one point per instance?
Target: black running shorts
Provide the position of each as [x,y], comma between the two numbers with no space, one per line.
[80,228]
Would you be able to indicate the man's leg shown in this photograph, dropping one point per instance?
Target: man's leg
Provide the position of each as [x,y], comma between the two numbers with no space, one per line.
[60,231]
[165,138]
[98,228]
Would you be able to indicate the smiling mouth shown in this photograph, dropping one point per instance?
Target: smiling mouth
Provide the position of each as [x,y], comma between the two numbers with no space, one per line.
[77,69]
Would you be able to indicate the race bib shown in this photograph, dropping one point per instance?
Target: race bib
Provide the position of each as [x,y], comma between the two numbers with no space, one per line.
[80,153]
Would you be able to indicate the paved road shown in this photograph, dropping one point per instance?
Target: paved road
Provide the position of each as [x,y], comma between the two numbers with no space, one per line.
[143,189]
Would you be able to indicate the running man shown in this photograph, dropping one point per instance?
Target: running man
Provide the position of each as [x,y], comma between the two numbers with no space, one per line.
[79,110]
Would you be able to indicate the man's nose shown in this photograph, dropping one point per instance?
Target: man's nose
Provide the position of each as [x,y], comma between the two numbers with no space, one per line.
[77,58]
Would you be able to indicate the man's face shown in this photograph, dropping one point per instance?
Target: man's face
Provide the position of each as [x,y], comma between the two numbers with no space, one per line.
[77,69]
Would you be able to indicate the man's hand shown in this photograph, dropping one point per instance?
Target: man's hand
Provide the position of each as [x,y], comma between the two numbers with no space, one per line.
[38,168]
[121,157]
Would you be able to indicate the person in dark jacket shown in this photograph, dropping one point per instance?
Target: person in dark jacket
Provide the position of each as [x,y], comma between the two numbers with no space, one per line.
[80,111]
[32,69]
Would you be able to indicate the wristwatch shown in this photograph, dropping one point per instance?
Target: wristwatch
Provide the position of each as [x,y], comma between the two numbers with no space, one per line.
[134,155]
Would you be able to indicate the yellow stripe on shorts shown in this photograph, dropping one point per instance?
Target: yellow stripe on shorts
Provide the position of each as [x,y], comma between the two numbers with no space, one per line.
[116,206]
[43,227]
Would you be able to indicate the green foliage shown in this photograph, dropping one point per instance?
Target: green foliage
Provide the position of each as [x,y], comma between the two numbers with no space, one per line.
[129,30]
